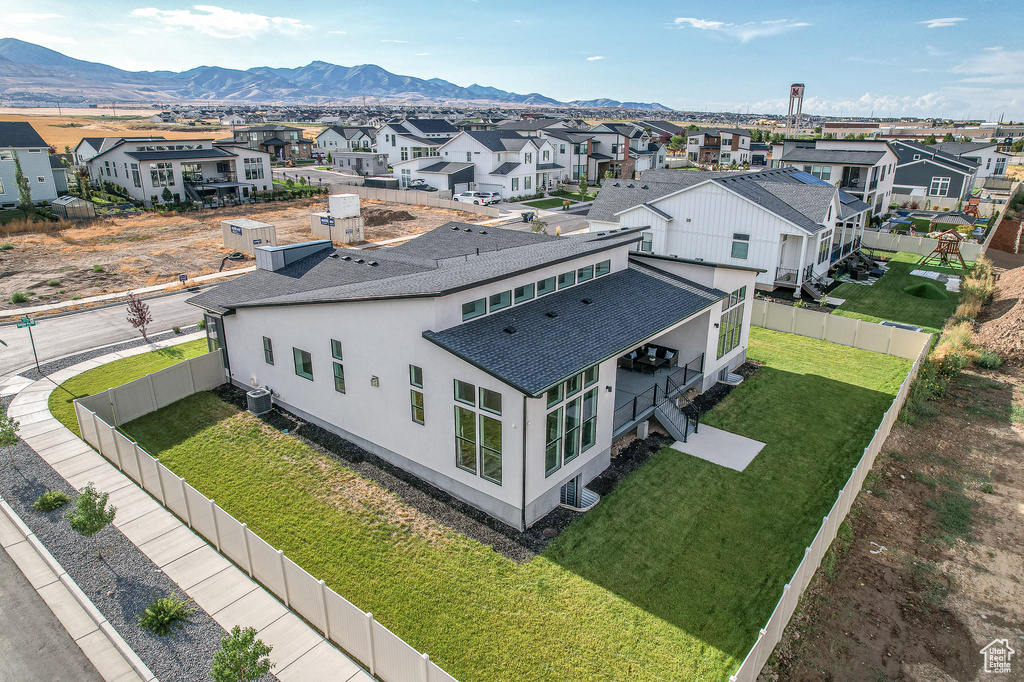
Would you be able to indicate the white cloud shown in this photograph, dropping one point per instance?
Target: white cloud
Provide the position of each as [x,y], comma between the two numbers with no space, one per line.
[23,18]
[594,59]
[422,54]
[44,38]
[339,33]
[744,32]
[394,41]
[881,105]
[219,22]
[943,22]
[993,66]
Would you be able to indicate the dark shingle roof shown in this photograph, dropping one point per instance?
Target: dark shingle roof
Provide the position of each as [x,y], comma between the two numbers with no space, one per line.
[958,148]
[505,168]
[528,124]
[432,125]
[544,350]
[449,258]
[548,166]
[446,167]
[841,156]
[19,134]
[498,140]
[180,154]
[619,195]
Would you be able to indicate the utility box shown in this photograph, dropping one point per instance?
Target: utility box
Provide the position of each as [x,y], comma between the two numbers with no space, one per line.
[343,205]
[242,234]
[338,230]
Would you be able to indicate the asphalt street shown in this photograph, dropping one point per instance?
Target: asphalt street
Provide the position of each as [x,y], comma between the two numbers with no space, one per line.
[33,643]
[56,337]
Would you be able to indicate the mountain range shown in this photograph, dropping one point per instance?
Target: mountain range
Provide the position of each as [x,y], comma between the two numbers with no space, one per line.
[29,71]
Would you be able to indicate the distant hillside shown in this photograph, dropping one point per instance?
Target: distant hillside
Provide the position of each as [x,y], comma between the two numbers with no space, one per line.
[28,70]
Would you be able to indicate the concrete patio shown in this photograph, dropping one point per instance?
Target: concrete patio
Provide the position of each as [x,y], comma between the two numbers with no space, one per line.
[720,447]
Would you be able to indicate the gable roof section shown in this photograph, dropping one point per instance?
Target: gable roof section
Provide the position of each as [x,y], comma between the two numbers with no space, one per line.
[19,135]
[528,124]
[432,125]
[938,155]
[445,167]
[958,148]
[544,350]
[505,168]
[837,156]
[449,258]
[622,195]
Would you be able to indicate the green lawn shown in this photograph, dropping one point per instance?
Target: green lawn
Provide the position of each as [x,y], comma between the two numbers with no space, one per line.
[554,202]
[886,300]
[114,374]
[669,578]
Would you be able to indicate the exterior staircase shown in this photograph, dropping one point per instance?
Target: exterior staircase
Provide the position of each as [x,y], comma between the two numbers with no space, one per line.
[678,424]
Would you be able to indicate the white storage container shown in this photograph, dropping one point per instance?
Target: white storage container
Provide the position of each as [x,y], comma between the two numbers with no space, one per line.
[243,234]
[343,205]
[338,230]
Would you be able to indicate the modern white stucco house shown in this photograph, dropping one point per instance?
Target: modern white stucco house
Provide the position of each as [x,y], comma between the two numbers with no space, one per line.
[345,138]
[188,169]
[482,360]
[787,225]
[19,139]
[413,138]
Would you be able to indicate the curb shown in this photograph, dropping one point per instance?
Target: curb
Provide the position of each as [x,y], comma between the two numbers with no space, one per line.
[101,623]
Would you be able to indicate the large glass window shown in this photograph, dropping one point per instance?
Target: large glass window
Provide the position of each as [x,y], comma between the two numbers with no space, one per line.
[572,386]
[939,187]
[253,168]
[555,396]
[162,174]
[646,242]
[588,433]
[490,401]
[465,439]
[730,330]
[268,351]
[499,301]
[303,363]
[545,286]
[566,279]
[465,393]
[553,438]
[490,449]
[590,376]
[602,268]
[571,440]
[583,274]
[474,309]
[740,245]
[523,293]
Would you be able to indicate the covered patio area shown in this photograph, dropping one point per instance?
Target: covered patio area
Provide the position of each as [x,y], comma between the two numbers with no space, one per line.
[643,387]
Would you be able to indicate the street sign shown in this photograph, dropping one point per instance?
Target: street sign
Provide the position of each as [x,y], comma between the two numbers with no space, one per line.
[182,278]
[25,322]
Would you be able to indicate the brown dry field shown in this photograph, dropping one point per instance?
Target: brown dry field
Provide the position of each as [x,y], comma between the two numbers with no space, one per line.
[933,569]
[155,248]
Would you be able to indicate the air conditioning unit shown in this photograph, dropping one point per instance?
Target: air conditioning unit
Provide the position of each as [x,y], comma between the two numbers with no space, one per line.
[259,401]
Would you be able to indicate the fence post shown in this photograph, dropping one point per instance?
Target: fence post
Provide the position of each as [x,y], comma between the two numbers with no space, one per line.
[112,399]
[188,507]
[369,638]
[78,418]
[284,578]
[216,526]
[117,451]
[159,480]
[191,376]
[152,391]
[248,551]
[425,670]
[138,463]
[96,427]
[323,605]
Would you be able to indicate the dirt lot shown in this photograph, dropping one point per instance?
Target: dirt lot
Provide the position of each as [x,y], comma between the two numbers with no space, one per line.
[928,568]
[69,130]
[153,248]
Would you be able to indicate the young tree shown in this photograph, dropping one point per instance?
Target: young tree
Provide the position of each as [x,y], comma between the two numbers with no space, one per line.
[241,657]
[583,187]
[138,314]
[24,187]
[91,514]
[948,137]
[166,195]
[9,434]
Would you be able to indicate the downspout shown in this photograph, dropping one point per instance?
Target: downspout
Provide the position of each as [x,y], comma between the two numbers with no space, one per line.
[524,464]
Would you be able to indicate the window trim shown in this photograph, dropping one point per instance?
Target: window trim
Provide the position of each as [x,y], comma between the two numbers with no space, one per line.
[479,309]
[517,298]
[296,359]
[602,268]
[339,375]
[553,283]
[483,406]
[412,376]
[471,392]
[413,407]
[507,295]
[268,351]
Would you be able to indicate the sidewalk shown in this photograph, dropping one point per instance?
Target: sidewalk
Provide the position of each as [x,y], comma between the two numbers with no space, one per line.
[50,307]
[214,583]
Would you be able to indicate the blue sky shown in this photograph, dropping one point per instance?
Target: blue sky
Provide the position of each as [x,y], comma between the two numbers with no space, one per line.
[892,58]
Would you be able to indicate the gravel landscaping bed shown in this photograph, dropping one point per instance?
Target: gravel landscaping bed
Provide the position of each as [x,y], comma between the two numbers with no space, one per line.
[63,363]
[122,584]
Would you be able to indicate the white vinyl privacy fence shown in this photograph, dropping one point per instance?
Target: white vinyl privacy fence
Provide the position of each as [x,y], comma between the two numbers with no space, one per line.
[382,652]
[771,633]
[846,331]
[922,246]
[399,196]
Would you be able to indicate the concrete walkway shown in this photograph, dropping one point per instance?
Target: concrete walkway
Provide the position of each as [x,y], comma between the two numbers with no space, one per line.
[720,447]
[217,585]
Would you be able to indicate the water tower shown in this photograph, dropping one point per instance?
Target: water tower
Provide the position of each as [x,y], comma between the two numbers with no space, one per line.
[796,105]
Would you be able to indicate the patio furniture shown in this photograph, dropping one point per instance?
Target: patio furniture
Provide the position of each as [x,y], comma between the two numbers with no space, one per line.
[860,275]
[650,363]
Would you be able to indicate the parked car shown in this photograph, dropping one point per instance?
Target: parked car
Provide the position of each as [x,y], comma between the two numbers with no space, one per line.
[491,197]
[477,198]
[420,185]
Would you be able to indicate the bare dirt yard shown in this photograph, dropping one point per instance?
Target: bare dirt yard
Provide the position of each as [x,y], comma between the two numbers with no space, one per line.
[929,567]
[77,260]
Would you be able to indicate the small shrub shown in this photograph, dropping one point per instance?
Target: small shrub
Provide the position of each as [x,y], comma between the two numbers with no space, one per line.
[176,330]
[987,488]
[165,615]
[75,297]
[6,247]
[241,657]
[201,324]
[60,291]
[97,268]
[800,304]
[50,500]
[987,360]
[53,283]
[18,297]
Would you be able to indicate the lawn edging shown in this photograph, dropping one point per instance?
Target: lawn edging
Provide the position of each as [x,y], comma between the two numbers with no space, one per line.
[771,633]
